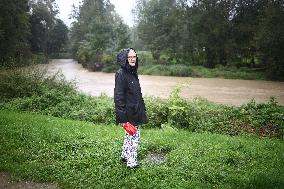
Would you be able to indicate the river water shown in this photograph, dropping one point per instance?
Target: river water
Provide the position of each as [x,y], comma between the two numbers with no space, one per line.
[225,91]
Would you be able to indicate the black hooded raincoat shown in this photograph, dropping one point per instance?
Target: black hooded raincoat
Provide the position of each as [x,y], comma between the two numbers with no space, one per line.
[129,104]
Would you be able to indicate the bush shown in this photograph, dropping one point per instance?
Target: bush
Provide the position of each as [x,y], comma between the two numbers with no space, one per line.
[145,57]
[172,70]
[180,70]
[157,112]
[30,81]
[39,58]
[61,55]
[200,115]
[32,90]
[72,106]
[199,71]
[111,68]
[108,59]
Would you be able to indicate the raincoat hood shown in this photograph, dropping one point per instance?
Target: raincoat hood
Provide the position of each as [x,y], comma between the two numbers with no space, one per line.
[122,60]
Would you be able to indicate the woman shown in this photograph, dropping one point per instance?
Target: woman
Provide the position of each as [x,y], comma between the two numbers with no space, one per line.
[129,103]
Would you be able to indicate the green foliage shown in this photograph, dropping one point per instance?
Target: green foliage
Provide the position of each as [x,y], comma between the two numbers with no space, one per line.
[61,55]
[84,53]
[39,58]
[14,31]
[71,105]
[199,71]
[58,37]
[267,119]
[145,57]
[45,29]
[228,73]
[111,68]
[177,108]
[157,112]
[171,70]
[28,27]
[271,40]
[34,91]
[210,33]
[156,25]
[31,89]
[30,81]
[108,59]
[97,31]
[201,115]
[77,154]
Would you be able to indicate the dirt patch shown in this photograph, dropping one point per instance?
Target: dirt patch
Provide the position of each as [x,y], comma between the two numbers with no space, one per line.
[7,182]
[155,158]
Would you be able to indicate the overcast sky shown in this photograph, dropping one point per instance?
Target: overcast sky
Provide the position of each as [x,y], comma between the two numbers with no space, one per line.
[122,7]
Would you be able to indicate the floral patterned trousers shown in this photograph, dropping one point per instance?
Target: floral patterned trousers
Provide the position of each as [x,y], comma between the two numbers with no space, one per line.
[129,149]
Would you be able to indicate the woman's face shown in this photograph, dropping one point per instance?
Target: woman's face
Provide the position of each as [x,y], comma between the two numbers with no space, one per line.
[132,57]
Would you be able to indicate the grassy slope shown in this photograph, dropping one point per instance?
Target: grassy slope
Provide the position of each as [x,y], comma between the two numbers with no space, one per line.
[83,155]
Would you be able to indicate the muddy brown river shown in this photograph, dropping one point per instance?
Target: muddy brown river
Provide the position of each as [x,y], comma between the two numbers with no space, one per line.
[225,91]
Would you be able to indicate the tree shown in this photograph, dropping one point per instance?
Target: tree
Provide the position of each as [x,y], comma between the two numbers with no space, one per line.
[270,39]
[58,37]
[97,29]
[120,35]
[245,25]
[155,20]
[14,30]
[181,29]
[214,30]
[42,21]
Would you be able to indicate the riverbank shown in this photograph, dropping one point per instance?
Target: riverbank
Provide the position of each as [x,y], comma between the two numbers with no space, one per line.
[218,90]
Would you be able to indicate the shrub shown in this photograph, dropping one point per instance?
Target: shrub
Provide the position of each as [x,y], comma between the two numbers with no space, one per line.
[145,57]
[35,91]
[39,58]
[172,70]
[157,111]
[108,59]
[29,81]
[180,70]
[178,108]
[200,115]
[32,89]
[61,55]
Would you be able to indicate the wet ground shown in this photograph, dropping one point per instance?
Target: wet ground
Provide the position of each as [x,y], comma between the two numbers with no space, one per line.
[225,91]
[7,182]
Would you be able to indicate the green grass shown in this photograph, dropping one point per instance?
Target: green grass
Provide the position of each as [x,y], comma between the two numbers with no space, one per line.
[199,71]
[32,90]
[78,154]
[227,73]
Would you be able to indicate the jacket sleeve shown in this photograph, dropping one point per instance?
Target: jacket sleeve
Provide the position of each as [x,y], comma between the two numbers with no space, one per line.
[120,98]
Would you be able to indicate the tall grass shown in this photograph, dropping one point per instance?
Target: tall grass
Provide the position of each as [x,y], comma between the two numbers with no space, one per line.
[36,91]
[148,66]
[199,71]
[33,80]
[78,154]
[33,89]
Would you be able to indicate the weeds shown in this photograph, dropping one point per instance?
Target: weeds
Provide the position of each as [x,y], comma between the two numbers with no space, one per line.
[36,91]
